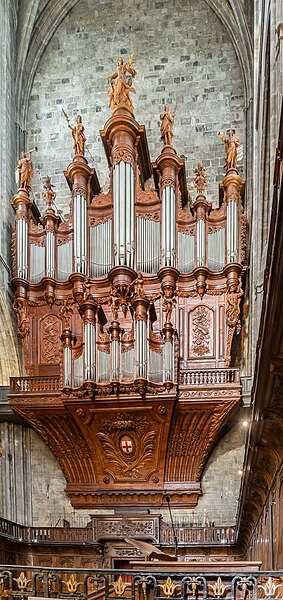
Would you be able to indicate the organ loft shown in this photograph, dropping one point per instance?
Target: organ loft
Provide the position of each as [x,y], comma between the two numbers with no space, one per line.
[129,313]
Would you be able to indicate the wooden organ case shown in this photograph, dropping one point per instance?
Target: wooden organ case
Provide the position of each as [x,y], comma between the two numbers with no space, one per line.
[127,313]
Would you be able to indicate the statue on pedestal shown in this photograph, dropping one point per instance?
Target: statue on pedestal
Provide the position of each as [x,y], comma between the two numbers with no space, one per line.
[233,299]
[48,195]
[231,144]
[120,86]
[25,169]
[200,178]
[78,134]
[167,122]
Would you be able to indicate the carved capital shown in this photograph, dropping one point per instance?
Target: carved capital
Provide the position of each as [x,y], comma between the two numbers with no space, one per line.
[124,154]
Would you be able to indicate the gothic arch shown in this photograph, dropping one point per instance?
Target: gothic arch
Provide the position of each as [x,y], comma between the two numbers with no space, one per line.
[32,46]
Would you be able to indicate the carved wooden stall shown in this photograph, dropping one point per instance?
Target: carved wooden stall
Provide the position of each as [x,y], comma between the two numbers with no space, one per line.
[127,313]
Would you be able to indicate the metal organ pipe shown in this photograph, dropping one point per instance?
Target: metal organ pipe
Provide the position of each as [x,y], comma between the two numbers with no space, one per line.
[132,213]
[123,222]
[232,232]
[173,225]
[89,351]
[168,227]
[50,254]
[80,234]
[22,248]
[67,366]
[168,361]
[116,215]
[123,192]
[200,246]
[115,359]
[141,348]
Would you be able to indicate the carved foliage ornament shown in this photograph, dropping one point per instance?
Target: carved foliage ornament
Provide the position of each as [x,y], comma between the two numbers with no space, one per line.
[125,527]
[201,323]
[122,154]
[128,445]
[50,340]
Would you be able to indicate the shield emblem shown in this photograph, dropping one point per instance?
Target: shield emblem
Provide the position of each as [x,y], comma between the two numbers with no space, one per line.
[126,444]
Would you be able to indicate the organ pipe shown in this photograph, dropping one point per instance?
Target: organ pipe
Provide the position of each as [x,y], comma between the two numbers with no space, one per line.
[141,349]
[67,358]
[168,353]
[232,232]
[200,243]
[148,245]
[80,234]
[22,248]
[168,227]
[123,200]
[89,351]
[114,331]
[50,254]
[168,361]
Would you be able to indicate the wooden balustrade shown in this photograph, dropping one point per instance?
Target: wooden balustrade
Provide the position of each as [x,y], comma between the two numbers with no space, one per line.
[19,385]
[208,377]
[186,535]
[197,535]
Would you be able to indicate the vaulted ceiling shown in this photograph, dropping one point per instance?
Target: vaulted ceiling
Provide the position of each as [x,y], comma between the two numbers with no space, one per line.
[39,19]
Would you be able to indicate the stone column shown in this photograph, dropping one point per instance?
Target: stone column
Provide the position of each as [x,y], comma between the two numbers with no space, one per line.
[8,26]
[16,474]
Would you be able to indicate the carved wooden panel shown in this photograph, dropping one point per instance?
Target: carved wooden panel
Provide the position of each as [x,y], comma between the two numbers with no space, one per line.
[193,434]
[50,346]
[141,527]
[130,442]
[201,332]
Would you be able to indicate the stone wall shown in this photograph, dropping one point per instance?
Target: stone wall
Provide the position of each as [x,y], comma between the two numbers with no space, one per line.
[176,61]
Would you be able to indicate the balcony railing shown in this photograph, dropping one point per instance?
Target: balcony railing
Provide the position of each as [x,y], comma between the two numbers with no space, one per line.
[186,535]
[208,376]
[19,385]
[185,582]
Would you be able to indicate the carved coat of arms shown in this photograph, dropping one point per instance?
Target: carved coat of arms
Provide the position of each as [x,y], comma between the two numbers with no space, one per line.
[127,443]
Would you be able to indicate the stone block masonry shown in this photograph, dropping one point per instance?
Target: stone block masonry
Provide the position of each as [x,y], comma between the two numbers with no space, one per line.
[182,54]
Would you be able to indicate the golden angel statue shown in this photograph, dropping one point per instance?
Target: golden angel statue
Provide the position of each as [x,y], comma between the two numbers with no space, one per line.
[231,144]
[78,134]
[167,122]
[25,170]
[120,85]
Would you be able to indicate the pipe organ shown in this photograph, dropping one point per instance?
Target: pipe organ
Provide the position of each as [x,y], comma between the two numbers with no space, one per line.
[128,312]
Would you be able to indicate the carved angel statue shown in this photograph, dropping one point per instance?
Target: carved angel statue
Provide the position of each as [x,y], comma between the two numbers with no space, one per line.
[231,144]
[138,285]
[167,122]
[66,311]
[20,307]
[114,303]
[77,133]
[48,195]
[233,299]
[25,170]
[200,178]
[168,303]
[120,85]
